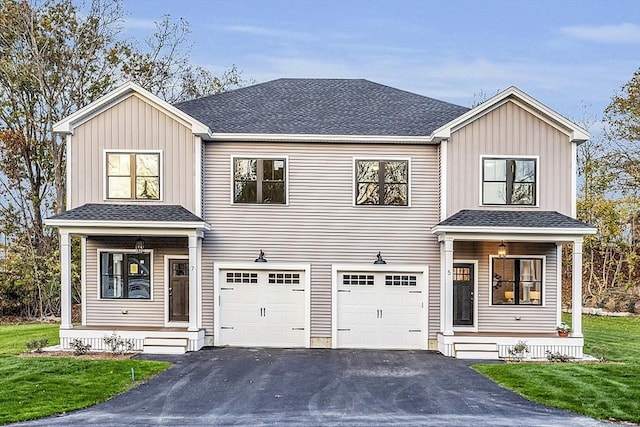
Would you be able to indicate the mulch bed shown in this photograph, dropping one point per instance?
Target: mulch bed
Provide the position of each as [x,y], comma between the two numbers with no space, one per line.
[95,355]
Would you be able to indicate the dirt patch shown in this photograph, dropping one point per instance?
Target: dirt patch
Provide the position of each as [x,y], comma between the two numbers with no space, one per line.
[96,355]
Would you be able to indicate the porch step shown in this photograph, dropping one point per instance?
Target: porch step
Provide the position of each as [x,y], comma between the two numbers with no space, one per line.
[165,345]
[482,351]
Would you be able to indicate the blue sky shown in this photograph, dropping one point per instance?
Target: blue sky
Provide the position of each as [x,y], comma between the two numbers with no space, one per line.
[564,53]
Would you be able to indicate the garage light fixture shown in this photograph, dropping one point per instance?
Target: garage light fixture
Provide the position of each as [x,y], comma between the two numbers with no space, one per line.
[261,257]
[379,259]
[139,245]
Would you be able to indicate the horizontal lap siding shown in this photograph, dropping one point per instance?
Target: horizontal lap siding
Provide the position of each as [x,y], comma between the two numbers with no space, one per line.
[503,318]
[132,124]
[320,225]
[140,312]
[508,130]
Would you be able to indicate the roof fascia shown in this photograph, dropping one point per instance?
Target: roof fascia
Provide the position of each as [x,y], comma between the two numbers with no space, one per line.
[68,124]
[182,225]
[577,231]
[367,139]
[577,133]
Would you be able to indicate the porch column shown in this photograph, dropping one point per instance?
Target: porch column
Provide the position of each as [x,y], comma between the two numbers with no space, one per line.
[193,282]
[65,281]
[576,290]
[448,286]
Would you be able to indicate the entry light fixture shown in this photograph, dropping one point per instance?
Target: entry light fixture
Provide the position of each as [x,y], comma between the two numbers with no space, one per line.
[379,259]
[261,257]
[139,245]
[502,250]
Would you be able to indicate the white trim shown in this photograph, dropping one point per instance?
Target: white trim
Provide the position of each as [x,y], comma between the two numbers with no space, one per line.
[68,163]
[124,251]
[105,177]
[498,233]
[543,279]
[443,281]
[576,133]
[167,279]
[474,327]
[261,266]
[574,179]
[252,156]
[354,139]
[380,158]
[373,268]
[508,157]
[559,261]
[83,278]
[443,179]
[198,147]
[76,226]
[68,124]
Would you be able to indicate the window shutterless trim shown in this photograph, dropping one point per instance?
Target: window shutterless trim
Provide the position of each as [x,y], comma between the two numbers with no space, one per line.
[100,251]
[105,174]
[355,181]
[516,281]
[259,158]
[510,180]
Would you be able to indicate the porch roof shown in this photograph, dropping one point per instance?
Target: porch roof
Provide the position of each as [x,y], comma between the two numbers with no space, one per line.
[513,221]
[128,215]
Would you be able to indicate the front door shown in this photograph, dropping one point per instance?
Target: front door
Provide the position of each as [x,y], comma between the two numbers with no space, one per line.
[463,294]
[178,290]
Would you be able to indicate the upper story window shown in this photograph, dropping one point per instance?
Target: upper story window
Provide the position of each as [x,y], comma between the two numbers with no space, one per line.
[382,182]
[133,176]
[125,275]
[259,181]
[508,181]
[517,281]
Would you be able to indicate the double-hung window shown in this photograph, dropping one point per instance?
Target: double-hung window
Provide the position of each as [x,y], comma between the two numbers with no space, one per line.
[125,275]
[382,182]
[517,281]
[259,181]
[508,181]
[133,176]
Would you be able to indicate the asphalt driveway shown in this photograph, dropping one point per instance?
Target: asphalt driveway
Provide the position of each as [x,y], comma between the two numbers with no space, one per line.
[233,386]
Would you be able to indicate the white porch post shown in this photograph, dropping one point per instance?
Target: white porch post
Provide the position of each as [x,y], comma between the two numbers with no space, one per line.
[65,281]
[576,290]
[448,286]
[193,282]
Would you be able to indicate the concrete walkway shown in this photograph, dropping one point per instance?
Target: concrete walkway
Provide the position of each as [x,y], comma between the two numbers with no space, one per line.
[232,386]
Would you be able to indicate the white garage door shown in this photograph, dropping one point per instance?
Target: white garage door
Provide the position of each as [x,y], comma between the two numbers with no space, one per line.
[262,308]
[384,310]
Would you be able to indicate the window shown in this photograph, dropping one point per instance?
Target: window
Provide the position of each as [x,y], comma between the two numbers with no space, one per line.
[125,276]
[509,181]
[382,182]
[357,279]
[517,281]
[284,278]
[259,181]
[133,176]
[393,280]
[240,277]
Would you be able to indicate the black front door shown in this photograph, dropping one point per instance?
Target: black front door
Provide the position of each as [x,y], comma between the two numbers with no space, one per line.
[463,294]
[178,290]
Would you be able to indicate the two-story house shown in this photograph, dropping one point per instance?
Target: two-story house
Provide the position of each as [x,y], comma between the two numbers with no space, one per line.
[321,213]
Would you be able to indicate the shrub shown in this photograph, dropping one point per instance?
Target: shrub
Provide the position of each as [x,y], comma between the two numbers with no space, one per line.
[79,347]
[116,344]
[37,344]
[517,351]
[558,357]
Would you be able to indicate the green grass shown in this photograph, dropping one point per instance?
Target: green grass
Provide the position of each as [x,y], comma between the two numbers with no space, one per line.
[600,390]
[38,387]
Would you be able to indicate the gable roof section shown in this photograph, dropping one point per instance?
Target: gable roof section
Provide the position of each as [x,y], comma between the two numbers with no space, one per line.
[67,125]
[575,132]
[498,221]
[321,107]
[125,215]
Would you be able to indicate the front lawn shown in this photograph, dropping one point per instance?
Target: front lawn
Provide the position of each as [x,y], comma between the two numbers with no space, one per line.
[600,390]
[38,387]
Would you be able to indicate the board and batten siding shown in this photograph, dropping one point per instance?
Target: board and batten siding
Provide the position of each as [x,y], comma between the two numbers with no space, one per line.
[320,224]
[109,312]
[509,130]
[502,318]
[133,124]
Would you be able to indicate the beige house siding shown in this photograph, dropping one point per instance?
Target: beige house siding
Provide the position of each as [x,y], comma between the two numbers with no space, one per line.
[503,318]
[320,224]
[133,124]
[139,312]
[509,130]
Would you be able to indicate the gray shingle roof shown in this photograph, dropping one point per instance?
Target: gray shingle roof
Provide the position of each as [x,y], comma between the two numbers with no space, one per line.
[499,218]
[131,213]
[322,107]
